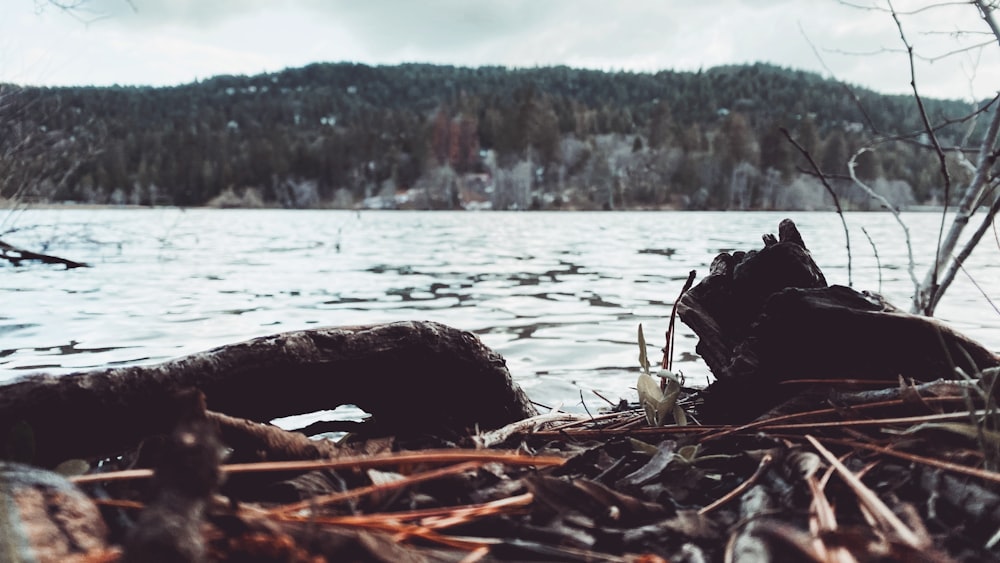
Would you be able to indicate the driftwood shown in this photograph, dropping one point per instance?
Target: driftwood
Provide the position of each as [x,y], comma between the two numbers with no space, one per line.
[765,317]
[16,255]
[413,377]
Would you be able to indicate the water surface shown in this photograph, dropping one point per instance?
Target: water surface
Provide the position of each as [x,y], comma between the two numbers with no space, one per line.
[560,295]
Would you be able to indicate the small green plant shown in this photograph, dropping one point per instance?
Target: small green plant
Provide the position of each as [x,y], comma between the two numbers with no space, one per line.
[658,399]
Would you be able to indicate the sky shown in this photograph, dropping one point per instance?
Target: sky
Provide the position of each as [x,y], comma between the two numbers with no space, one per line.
[170,42]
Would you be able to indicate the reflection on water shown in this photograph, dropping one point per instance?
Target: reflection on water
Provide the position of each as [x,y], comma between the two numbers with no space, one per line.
[560,295]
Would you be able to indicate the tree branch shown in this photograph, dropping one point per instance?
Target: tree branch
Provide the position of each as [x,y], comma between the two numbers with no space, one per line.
[836,200]
[931,291]
[942,160]
[911,266]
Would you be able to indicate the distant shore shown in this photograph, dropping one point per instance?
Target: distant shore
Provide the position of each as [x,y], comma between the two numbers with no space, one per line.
[6,206]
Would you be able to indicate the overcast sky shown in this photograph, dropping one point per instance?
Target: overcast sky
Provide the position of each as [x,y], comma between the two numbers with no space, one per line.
[168,42]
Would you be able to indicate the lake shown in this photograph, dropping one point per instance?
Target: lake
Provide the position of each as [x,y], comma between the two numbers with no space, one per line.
[559,294]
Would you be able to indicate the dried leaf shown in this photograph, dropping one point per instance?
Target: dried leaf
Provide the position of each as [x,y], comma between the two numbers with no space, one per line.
[620,507]
[643,359]
[72,467]
[689,453]
[644,447]
[654,404]
[665,454]
[680,417]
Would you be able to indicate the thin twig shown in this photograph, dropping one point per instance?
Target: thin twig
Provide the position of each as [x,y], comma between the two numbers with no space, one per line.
[980,288]
[493,437]
[322,500]
[874,421]
[990,476]
[959,260]
[352,462]
[668,348]
[942,161]
[833,194]
[878,263]
[911,264]
[814,413]
[868,498]
[739,490]
[931,290]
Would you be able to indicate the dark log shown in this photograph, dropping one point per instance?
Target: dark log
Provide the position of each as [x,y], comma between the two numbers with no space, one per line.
[768,316]
[413,377]
[722,307]
[836,331]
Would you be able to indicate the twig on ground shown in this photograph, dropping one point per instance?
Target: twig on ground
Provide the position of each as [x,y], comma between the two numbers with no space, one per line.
[764,463]
[869,499]
[493,437]
[351,462]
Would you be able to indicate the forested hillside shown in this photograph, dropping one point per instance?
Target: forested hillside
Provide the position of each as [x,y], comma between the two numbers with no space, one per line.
[430,136]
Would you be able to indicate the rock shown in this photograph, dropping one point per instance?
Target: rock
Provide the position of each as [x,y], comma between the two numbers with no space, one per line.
[44,517]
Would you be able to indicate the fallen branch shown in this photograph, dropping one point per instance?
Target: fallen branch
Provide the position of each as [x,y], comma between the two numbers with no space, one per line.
[406,374]
[16,255]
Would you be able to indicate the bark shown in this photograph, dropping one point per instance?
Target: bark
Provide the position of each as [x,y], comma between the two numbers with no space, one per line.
[767,317]
[413,377]
[722,307]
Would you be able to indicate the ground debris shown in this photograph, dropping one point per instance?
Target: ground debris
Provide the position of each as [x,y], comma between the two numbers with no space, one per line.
[604,489]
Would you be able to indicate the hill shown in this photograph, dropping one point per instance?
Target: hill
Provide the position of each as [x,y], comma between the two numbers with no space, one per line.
[442,137]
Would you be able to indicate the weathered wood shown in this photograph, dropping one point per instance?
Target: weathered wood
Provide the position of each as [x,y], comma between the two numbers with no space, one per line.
[768,316]
[722,307]
[413,377]
[837,331]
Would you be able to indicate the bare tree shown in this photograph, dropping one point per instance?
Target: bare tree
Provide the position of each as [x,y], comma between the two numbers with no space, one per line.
[38,162]
[980,192]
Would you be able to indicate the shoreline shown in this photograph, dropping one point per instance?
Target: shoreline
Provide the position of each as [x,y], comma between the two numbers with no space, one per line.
[7,207]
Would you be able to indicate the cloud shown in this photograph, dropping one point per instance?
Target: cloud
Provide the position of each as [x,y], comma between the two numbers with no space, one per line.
[173,41]
[185,13]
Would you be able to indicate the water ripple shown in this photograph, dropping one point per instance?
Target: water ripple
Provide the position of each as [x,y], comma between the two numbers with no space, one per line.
[560,295]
